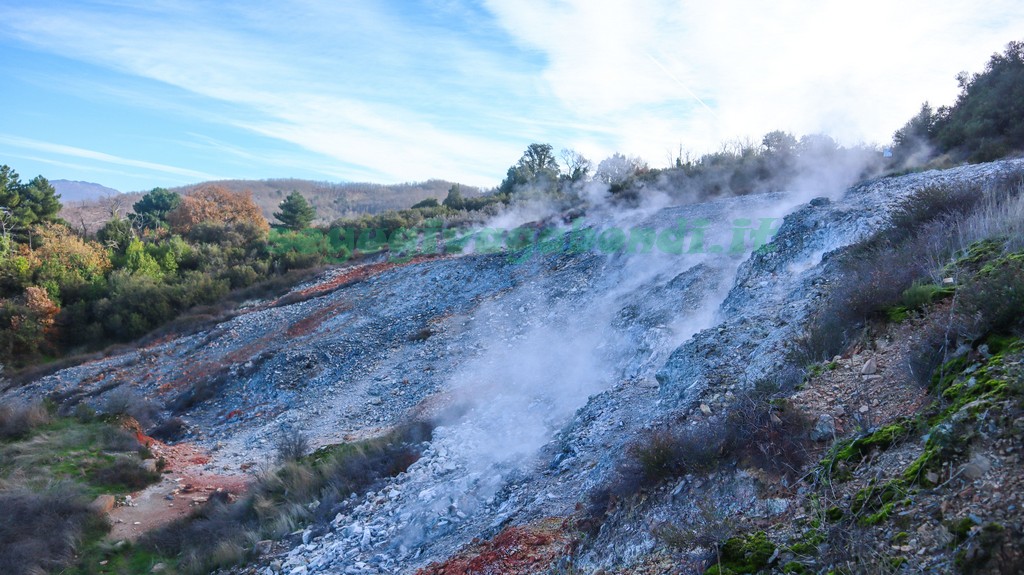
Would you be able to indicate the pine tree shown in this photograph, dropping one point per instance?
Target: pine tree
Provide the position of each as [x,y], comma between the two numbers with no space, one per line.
[296,213]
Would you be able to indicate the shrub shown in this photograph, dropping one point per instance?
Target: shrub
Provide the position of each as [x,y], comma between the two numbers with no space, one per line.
[123,401]
[39,531]
[170,430]
[291,445]
[124,472]
[993,299]
[16,421]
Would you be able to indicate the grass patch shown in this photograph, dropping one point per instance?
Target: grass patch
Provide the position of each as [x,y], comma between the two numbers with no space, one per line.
[50,470]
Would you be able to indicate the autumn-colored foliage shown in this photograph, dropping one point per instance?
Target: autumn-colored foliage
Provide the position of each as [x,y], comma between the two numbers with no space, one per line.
[63,256]
[216,205]
[27,323]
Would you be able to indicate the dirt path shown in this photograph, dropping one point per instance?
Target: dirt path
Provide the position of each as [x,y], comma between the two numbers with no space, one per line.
[186,483]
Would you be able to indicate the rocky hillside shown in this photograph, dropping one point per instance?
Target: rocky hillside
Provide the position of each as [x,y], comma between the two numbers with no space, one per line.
[539,371]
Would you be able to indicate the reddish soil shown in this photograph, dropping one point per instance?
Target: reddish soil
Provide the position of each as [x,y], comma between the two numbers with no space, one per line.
[517,550]
[306,325]
[184,485]
[355,274]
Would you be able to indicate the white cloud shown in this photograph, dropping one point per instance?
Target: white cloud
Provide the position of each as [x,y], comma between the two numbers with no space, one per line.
[382,93]
[856,70]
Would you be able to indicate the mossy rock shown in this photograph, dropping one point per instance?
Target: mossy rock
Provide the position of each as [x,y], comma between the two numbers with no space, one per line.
[744,554]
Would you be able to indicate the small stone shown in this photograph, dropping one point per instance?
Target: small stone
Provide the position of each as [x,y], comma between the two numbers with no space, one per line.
[705,409]
[824,429]
[375,401]
[870,367]
[948,281]
[263,547]
[863,409]
[159,568]
[978,466]
[932,477]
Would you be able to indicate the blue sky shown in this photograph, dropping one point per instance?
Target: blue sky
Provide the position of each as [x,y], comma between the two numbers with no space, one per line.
[175,92]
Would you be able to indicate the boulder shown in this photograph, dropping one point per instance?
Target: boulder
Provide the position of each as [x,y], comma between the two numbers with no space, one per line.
[102,504]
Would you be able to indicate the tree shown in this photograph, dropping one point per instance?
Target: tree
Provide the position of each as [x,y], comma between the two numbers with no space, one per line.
[151,211]
[912,139]
[26,204]
[618,170]
[296,213]
[987,120]
[116,234]
[216,205]
[537,168]
[577,167]
[779,143]
[454,198]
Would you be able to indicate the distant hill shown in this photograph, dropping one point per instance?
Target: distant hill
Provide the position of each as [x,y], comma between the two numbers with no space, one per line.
[331,200]
[337,200]
[74,191]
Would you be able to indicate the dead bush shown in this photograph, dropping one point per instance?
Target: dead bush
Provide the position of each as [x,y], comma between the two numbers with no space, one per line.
[123,401]
[936,340]
[712,527]
[768,433]
[664,454]
[653,458]
[17,420]
[291,445]
[199,392]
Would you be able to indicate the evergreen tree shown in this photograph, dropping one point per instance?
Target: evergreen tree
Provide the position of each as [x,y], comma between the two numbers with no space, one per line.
[454,199]
[296,213]
[151,211]
[26,204]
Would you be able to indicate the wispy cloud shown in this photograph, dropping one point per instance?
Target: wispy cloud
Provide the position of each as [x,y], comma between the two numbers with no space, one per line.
[62,150]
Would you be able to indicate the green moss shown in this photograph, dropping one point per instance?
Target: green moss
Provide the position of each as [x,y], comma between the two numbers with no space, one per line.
[794,567]
[977,255]
[834,514]
[961,529]
[871,497]
[853,450]
[876,518]
[900,537]
[744,554]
